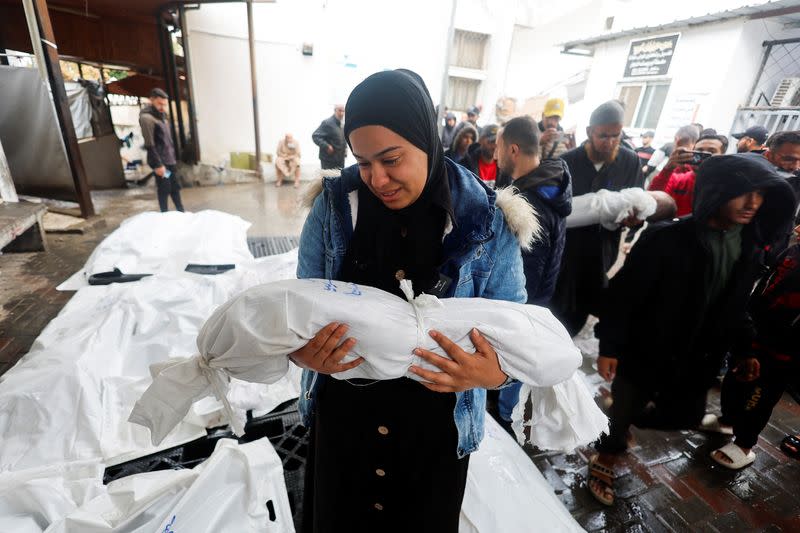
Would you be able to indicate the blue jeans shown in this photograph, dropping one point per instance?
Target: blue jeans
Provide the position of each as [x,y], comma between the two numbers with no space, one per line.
[507,400]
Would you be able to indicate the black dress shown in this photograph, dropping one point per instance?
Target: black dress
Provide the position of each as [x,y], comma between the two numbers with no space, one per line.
[383,453]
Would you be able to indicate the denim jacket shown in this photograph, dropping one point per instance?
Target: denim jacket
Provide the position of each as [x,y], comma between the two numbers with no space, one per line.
[482,257]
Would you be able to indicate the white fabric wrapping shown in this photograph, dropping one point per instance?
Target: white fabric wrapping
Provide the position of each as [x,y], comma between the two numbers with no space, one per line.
[610,208]
[164,243]
[249,337]
[227,492]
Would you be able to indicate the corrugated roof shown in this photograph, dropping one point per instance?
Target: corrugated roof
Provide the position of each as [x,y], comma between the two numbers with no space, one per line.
[764,10]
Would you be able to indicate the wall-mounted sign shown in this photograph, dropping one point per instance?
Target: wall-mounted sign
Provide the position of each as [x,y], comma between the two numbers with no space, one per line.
[650,57]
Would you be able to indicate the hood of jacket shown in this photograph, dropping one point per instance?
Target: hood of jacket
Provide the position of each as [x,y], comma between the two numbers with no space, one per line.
[722,178]
[552,183]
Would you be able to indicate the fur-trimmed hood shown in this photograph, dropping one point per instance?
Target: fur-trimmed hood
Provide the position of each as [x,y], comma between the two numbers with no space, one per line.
[520,215]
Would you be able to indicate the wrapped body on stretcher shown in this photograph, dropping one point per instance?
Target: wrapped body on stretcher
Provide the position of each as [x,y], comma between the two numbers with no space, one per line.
[250,337]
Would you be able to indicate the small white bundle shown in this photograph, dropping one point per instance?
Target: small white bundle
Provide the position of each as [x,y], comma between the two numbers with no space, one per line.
[250,336]
[610,208]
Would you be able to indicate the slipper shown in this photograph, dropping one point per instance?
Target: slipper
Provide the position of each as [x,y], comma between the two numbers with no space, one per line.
[737,456]
[711,423]
[791,446]
[603,476]
[115,276]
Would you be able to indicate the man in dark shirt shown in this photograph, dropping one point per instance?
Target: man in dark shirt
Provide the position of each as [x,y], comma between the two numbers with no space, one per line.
[160,150]
[646,150]
[599,163]
[330,139]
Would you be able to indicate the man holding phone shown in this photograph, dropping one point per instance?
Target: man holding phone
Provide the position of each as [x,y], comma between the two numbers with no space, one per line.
[160,150]
[677,178]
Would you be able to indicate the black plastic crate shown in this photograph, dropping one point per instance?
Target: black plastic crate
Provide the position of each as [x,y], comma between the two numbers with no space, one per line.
[281,426]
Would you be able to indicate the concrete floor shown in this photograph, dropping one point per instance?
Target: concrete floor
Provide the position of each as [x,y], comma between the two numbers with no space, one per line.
[667,483]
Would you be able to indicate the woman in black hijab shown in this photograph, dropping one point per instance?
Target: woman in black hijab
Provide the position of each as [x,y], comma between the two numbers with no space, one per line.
[393,455]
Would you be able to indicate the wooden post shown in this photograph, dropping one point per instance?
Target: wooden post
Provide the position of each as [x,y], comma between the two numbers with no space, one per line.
[254,83]
[50,58]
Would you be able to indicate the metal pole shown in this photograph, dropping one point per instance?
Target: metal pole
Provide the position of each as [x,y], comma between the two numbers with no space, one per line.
[173,71]
[189,89]
[253,79]
[446,73]
[50,60]
[167,83]
[767,52]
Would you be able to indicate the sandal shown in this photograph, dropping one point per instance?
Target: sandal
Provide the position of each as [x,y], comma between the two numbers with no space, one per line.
[711,423]
[791,446]
[736,455]
[604,477]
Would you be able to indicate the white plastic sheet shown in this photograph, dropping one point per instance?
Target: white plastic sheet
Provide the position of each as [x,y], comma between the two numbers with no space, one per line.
[250,336]
[505,493]
[164,243]
[229,491]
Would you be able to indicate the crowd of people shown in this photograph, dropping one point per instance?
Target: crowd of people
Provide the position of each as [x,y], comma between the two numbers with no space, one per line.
[682,308]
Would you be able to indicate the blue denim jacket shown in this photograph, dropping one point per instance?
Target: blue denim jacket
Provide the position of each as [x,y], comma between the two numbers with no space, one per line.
[480,252]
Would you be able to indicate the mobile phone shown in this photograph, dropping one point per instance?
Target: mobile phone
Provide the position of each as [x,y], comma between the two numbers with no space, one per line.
[698,157]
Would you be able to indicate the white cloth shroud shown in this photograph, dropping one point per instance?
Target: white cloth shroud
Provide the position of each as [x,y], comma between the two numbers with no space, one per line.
[250,336]
[610,208]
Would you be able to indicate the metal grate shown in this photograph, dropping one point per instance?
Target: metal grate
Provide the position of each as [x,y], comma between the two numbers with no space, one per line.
[264,246]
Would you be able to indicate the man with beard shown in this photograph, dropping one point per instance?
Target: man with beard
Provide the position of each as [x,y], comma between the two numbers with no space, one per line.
[480,156]
[545,184]
[160,150]
[329,136]
[783,151]
[599,163]
[751,140]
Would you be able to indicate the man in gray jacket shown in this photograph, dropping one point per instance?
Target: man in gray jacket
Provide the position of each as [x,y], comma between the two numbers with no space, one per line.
[329,136]
[160,150]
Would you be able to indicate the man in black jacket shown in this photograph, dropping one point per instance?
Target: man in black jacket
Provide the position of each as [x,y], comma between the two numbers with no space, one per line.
[546,186]
[599,163]
[329,136]
[679,303]
[160,150]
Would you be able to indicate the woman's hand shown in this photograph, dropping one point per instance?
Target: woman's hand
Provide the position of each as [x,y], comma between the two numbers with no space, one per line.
[466,370]
[323,353]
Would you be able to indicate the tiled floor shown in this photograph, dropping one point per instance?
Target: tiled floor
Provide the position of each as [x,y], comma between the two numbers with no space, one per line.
[667,482]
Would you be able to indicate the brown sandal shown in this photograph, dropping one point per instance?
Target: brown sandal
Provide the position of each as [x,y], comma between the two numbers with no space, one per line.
[604,477]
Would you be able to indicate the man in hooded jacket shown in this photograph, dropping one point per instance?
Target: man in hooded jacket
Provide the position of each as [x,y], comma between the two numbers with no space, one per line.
[691,278]
[545,184]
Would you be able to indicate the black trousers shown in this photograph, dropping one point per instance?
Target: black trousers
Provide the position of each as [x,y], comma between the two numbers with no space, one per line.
[383,459]
[676,405]
[330,165]
[169,187]
[747,406]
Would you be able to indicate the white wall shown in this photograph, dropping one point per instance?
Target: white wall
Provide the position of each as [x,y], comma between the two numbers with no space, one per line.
[352,39]
[711,74]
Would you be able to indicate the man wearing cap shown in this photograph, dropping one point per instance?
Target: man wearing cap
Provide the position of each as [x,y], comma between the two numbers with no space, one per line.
[472,119]
[753,139]
[160,150]
[553,141]
[599,163]
[646,151]
[480,156]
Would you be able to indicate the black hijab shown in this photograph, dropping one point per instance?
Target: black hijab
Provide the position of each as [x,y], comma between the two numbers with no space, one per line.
[406,243]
